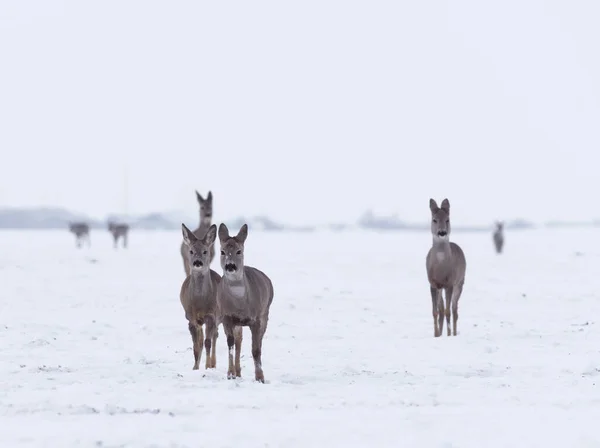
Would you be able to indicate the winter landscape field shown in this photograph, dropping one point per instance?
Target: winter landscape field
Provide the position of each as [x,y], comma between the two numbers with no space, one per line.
[95,349]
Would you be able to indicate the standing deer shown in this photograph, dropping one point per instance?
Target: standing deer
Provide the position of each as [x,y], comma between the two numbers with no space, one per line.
[446,266]
[499,236]
[245,296]
[81,231]
[199,295]
[206,211]
[118,230]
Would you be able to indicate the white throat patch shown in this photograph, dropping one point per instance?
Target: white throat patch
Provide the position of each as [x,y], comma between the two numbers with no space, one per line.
[237,290]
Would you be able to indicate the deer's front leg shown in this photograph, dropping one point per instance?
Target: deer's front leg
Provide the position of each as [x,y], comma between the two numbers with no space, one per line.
[434,305]
[213,356]
[238,335]
[196,343]
[449,291]
[457,293]
[210,336]
[228,329]
[257,336]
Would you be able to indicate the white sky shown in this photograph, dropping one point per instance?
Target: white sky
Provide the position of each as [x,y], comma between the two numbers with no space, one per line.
[309,111]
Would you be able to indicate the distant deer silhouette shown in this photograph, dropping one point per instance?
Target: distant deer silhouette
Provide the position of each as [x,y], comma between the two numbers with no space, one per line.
[81,231]
[118,230]
[499,237]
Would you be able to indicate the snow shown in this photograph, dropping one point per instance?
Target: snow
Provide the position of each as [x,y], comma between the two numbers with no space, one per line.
[95,350]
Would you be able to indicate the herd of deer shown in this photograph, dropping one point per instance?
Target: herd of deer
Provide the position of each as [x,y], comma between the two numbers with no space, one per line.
[81,230]
[242,296]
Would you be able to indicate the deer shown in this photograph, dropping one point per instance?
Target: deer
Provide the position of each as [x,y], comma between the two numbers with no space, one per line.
[245,297]
[498,237]
[446,267]
[206,211]
[81,231]
[118,230]
[198,296]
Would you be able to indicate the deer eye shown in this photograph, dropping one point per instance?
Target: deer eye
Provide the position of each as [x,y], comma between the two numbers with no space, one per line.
[222,252]
[204,253]
[447,221]
[239,252]
[191,252]
[435,220]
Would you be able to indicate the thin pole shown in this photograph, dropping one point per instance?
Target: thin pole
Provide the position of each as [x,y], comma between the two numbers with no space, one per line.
[125,192]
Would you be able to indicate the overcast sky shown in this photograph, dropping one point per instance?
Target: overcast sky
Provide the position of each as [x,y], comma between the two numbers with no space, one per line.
[309,111]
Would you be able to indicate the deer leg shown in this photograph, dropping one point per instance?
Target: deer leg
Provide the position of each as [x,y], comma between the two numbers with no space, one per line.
[115,238]
[125,241]
[238,336]
[196,341]
[434,295]
[210,334]
[440,304]
[448,301]
[228,329]
[213,356]
[258,331]
[455,298]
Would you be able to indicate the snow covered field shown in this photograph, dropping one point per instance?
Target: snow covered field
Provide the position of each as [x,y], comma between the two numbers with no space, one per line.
[95,350]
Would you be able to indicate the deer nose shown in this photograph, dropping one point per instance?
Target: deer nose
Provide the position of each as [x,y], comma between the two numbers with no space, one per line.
[197,264]
[442,233]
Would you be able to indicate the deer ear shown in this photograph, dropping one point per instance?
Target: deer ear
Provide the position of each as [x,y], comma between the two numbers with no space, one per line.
[188,236]
[446,205]
[199,197]
[242,234]
[433,206]
[211,235]
[223,233]
[209,197]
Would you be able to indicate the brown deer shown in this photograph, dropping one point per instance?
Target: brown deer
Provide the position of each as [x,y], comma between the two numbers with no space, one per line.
[245,296]
[119,230]
[81,230]
[198,295]
[498,237]
[446,267]
[206,212]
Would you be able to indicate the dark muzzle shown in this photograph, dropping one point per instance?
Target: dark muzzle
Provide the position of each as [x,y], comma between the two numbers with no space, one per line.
[230,267]
[197,264]
[442,233]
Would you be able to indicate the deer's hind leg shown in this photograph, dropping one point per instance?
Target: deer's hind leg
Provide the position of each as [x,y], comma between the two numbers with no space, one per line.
[434,305]
[448,292]
[455,297]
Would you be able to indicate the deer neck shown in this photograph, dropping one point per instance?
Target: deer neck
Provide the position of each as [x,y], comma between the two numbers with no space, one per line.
[441,247]
[205,221]
[236,284]
[200,282]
